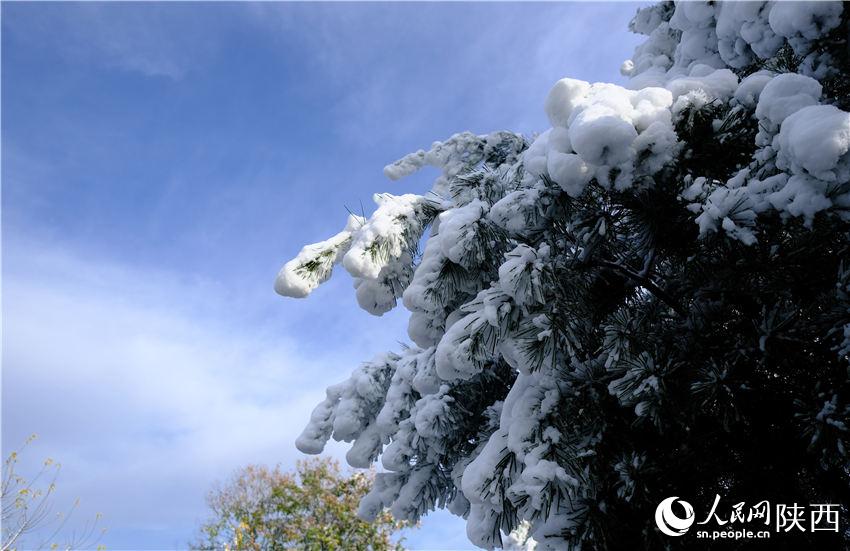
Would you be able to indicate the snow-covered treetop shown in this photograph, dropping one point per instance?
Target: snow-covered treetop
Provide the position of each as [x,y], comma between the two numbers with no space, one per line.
[732,114]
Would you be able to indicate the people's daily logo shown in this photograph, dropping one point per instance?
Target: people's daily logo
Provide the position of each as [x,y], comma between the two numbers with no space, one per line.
[742,520]
[669,522]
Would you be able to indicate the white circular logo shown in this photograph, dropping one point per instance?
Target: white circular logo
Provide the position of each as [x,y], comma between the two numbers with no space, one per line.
[667,520]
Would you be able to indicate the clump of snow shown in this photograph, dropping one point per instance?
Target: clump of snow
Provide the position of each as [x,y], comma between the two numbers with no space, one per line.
[563,98]
[455,357]
[744,33]
[786,94]
[732,210]
[380,296]
[520,539]
[569,171]
[599,126]
[421,298]
[468,343]
[385,237]
[716,83]
[600,136]
[459,228]
[516,211]
[349,412]
[316,434]
[751,87]
[802,22]
[519,275]
[814,139]
[314,263]
[813,145]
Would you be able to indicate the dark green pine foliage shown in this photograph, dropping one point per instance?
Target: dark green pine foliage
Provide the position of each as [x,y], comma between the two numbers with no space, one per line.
[734,354]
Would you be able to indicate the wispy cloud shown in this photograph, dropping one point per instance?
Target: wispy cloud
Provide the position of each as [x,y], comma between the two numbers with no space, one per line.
[143,397]
[449,67]
[161,40]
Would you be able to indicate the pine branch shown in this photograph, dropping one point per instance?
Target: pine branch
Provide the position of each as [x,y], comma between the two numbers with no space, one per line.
[646,283]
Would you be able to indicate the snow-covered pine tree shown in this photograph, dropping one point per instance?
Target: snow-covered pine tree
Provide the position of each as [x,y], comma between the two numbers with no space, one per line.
[649,299]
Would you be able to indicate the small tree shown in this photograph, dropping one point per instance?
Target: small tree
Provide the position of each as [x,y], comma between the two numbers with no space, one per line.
[314,508]
[28,510]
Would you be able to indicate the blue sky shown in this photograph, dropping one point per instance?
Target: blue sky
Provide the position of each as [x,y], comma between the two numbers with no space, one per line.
[161,161]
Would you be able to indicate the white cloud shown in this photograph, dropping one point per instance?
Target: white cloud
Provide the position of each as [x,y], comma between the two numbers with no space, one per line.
[141,386]
[143,395]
